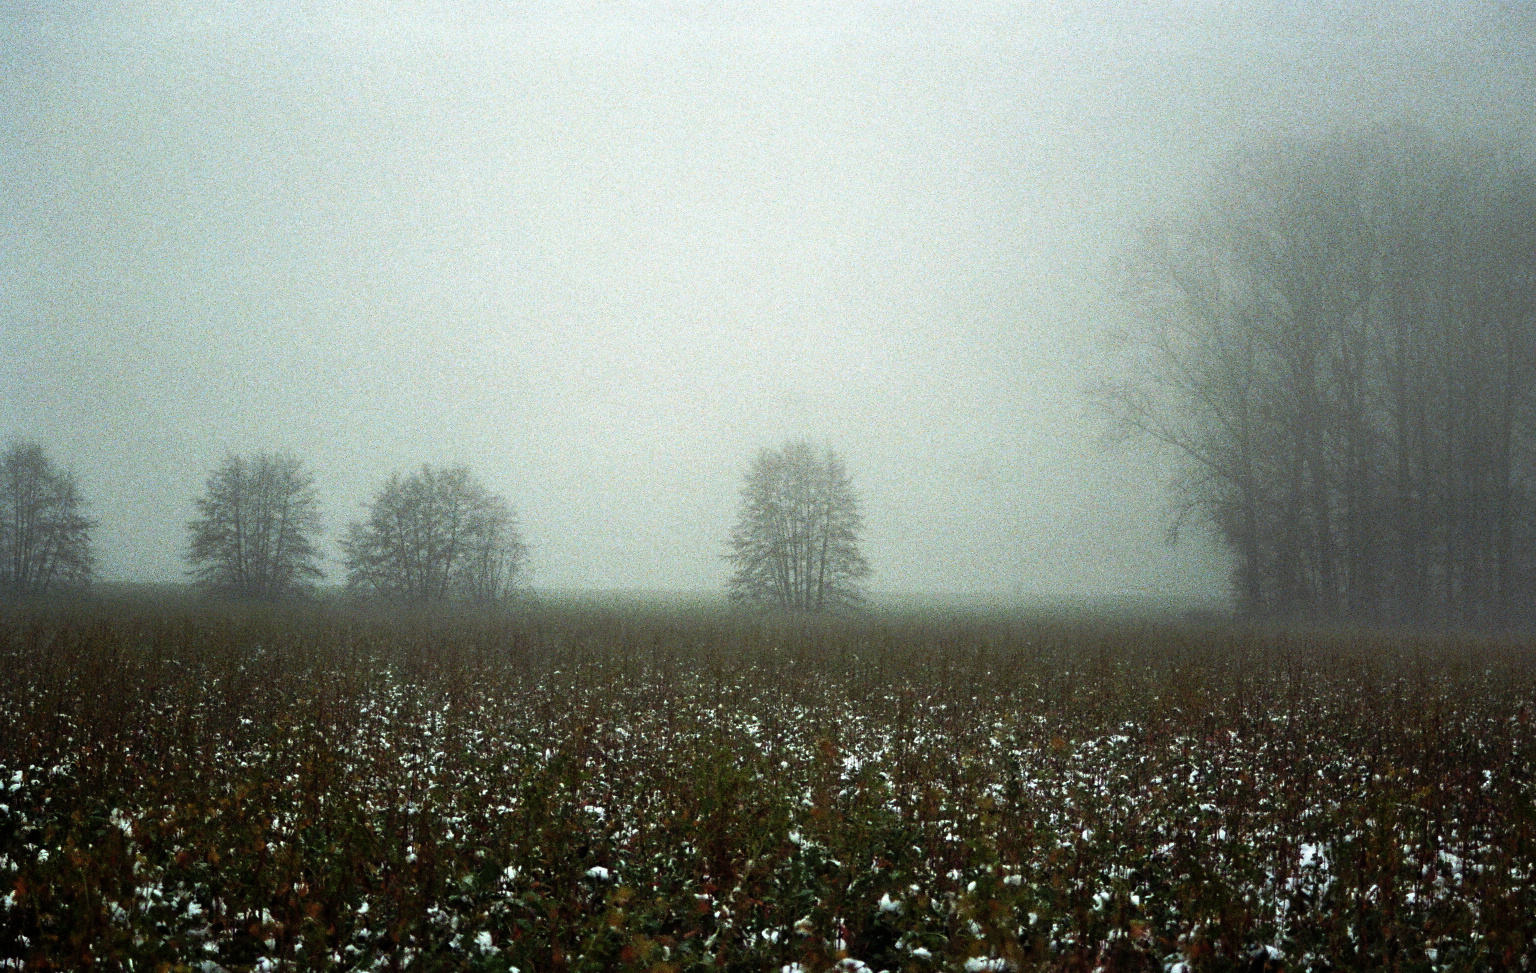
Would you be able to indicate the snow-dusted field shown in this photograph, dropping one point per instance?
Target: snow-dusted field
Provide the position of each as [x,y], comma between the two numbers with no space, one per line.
[223,789]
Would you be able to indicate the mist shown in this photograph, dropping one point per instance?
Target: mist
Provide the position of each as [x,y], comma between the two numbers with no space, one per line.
[600,253]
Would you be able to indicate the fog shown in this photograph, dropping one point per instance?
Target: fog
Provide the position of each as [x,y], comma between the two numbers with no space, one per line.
[601,253]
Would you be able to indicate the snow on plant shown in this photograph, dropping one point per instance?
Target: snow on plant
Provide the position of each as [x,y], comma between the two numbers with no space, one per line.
[583,792]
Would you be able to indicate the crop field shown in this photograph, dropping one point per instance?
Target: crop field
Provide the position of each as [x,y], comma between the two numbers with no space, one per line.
[206,788]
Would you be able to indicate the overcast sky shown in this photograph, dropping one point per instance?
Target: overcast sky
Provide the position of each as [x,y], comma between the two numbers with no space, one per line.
[602,252]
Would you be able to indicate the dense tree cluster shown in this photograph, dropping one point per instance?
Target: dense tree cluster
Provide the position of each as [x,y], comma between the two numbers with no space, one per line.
[1345,358]
[795,545]
[45,538]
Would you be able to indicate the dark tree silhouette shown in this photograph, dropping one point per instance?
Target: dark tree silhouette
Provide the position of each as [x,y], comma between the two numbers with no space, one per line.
[796,544]
[434,535]
[1344,355]
[45,540]
[255,533]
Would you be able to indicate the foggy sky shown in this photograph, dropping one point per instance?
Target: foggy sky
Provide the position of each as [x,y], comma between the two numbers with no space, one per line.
[602,252]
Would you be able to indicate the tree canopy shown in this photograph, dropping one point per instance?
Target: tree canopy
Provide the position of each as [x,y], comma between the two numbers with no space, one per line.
[435,535]
[45,539]
[796,542]
[255,533]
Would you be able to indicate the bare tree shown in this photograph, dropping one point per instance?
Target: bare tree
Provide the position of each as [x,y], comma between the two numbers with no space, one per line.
[796,544]
[434,535]
[255,534]
[45,541]
[1343,352]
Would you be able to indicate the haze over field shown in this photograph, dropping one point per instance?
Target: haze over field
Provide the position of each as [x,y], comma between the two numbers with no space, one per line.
[600,253]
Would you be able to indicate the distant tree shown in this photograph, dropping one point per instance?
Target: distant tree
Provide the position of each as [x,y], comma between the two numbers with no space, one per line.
[796,544]
[255,534]
[45,541]
[436,535]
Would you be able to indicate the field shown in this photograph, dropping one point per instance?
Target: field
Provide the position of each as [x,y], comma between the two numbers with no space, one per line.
[232,788]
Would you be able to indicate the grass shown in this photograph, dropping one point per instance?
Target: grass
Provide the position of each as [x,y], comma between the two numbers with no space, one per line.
[227,787]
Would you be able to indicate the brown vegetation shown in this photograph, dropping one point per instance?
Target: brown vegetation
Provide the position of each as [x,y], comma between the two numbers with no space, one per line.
[237,787]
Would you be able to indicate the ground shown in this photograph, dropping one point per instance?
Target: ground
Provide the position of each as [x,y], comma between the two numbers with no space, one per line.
[224,787]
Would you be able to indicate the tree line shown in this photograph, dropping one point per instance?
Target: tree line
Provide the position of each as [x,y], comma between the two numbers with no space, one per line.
[431,535]
[1339,345]
[1342,351]
[435,534]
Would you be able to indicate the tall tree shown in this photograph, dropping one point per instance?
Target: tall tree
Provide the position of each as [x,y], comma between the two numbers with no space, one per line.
[1343,352]
[45,540]
[255,533]
[796,543]
[434,535]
